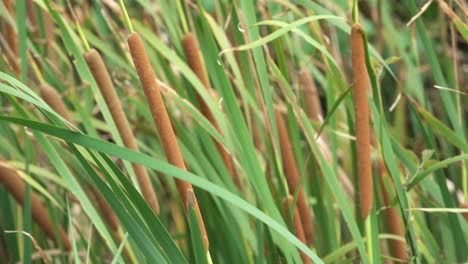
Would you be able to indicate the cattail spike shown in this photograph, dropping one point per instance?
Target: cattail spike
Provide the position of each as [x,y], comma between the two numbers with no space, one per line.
[104,82]
[311,97]
[12,38]
[161,117]
[54,100]
[194,59]
[361,108]
[292,176]
[296,220]
[394,223]
[12,181]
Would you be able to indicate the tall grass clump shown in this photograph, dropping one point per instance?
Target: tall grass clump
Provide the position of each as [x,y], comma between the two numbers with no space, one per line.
[135,131]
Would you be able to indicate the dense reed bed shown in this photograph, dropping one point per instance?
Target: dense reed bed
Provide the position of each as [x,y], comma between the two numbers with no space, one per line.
[233,131]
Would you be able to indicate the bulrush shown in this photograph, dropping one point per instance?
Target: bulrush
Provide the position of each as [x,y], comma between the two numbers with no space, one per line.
[311,98]
[104,82]
[12,37]
[49,31]
[296,221]
[12,181]
[292,176]
[161,118]
[394,223]
[361,109]
[54,100]
[194,59]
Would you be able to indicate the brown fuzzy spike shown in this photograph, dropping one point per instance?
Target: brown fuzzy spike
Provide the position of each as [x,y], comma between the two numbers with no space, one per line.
[311,98]
[394,223]
[194,59]
[161,119]
[292,176]
[12,181]
[361,108]
[102,77]
[296,218]
[12,37]
[54,100]
[49,30]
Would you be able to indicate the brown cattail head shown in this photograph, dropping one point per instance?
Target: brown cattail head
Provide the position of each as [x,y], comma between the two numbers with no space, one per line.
[361,108]
[54,100]
[104,82]
[394,222]
[292,176]
[296,220]
[12,37]
[12,181]
[49,31]
[311,97]
[161,117]
[194,59]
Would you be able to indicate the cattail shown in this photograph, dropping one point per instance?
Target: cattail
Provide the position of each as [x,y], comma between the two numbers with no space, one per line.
[161,118]
[12,181]
[12,37]
[31,12]
[101,75]
[292,176]
[296,221]
[361,109]
[464,206]
[49,31]
[194,59]
[54,100]
[394,223]
[311,98]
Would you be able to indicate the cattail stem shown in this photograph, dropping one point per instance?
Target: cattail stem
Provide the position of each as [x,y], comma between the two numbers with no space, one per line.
[194,59]
[296,221]
[161,119]
[292,176]
[361,108]
[104,82]
[12,181]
